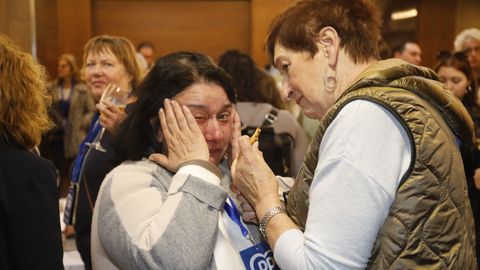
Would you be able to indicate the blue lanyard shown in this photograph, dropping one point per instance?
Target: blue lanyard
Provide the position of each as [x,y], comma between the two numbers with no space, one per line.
[234,214]
[93,131]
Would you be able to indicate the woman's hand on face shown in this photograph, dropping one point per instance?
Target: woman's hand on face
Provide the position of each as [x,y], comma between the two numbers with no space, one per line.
[110,115]
[181,134]
[253,178]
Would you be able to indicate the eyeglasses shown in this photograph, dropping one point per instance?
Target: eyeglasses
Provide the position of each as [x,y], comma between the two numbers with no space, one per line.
[445,55]
[469,51]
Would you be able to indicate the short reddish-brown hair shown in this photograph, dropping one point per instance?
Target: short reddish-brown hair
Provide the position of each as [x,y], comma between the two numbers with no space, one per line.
[357,22]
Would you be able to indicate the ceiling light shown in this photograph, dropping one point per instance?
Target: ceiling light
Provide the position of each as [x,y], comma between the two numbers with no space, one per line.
[404,14]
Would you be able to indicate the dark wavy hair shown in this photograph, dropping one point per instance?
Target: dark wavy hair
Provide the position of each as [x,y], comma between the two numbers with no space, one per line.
[459,62]
[357,22]
[251,83]
[136,136]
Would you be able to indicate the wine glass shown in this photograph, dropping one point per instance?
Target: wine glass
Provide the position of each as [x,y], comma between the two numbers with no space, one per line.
[119,98]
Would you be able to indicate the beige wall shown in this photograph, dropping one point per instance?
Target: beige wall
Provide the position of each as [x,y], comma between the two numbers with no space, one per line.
[208,26]
[435,29]
[467,15]
[263,12]
[15,22]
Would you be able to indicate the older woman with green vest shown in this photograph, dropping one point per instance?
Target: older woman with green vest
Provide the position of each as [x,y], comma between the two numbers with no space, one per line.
[382,185]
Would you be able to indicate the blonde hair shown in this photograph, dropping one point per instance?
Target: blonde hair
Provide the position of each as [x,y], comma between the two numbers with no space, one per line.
[470,33]
[23,97]
[122,48]
[72,62]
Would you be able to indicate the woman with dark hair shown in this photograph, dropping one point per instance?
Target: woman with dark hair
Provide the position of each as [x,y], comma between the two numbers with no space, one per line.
[456,74]
[176,215]
[260,105]
[252,84]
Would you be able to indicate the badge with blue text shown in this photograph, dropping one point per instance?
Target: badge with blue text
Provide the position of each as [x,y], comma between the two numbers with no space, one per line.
[258,257]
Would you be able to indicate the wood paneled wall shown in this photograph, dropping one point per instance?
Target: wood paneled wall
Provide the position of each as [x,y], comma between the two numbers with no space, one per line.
[74,25]
[263,12]
[16,22]
[209,27]
[435,28]
[467,15]
[47,34]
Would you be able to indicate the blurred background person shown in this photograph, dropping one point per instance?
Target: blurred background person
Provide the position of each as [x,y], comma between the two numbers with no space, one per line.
[468,41]
[107,60]
[71,110]
[261,105]
[147,50]
[142,62]
[457,75]
[455,72]
[409,52]
[30,235]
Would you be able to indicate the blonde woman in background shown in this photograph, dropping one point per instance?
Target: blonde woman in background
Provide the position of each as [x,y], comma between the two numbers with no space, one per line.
[29,227]
[107,60]
[72,110]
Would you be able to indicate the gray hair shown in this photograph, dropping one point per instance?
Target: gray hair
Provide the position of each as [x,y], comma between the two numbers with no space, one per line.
[472,33]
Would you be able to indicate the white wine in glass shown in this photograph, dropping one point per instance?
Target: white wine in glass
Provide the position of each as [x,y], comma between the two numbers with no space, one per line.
[117,96]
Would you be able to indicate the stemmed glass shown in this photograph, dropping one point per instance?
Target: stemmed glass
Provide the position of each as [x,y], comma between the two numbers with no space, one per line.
[119,98]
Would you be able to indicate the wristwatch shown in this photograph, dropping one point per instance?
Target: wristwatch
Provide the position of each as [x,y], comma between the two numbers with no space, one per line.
[268,216]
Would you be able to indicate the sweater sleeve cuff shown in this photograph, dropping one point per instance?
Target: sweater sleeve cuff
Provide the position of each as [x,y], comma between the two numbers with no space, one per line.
[204,164]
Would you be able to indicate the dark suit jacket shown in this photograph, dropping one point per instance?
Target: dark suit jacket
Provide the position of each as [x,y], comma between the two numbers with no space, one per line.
[30,236]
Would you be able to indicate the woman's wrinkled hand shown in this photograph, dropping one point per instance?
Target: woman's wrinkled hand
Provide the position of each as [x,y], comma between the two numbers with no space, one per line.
[252,177]
[182,136]
[110,115]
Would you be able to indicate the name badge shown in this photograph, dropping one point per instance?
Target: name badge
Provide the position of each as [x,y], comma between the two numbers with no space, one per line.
[68,214]
[258,257]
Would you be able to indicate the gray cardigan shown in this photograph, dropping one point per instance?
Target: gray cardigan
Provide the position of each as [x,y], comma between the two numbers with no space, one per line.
[147,218]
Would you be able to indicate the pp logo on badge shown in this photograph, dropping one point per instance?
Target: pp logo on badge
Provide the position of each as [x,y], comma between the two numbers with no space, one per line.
[263,261]
[258,257]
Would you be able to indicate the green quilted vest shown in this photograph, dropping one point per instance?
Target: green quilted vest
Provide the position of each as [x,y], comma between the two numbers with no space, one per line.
[430,223]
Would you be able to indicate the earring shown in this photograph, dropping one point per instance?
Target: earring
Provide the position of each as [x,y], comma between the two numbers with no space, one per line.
[330,79]
[469,88]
